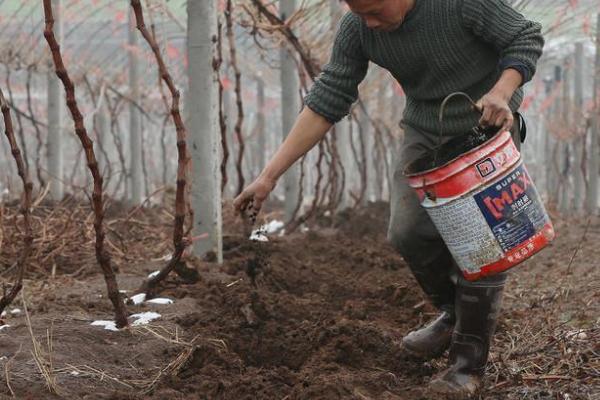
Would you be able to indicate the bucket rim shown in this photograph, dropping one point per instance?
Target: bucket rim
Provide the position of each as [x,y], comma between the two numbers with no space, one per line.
[470,151]
[510,169]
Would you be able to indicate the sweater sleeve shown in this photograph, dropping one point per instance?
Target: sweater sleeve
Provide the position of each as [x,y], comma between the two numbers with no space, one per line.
[336,88]
[516,38]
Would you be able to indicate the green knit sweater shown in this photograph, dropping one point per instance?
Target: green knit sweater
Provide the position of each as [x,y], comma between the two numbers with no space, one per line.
[443,46]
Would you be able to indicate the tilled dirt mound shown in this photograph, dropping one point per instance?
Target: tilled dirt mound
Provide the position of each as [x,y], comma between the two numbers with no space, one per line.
[307,317]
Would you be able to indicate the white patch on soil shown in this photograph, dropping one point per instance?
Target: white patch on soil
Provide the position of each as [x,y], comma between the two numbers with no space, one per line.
[108,325]
[153,274]
[139,319]
[258,236]
[144,318]
[138,298]
[4,326]
[160,300]
[15,311]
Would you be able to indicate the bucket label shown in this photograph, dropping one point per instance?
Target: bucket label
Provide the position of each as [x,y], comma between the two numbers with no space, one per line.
[466,233]
[512,208]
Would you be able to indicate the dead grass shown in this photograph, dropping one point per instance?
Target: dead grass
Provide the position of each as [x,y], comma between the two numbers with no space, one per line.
[42,356]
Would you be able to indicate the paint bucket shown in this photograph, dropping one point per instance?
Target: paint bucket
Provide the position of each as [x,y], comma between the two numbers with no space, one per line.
[483,202]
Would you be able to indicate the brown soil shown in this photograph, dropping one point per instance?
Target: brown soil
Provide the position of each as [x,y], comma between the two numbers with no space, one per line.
[315,315]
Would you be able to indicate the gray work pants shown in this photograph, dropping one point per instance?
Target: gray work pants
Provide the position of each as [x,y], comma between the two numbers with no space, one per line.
[414,235]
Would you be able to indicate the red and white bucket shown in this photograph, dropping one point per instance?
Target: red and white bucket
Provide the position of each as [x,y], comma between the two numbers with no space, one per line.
[485,206]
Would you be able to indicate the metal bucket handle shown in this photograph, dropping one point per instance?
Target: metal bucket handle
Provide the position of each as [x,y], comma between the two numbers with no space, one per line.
[430,194]
[441,118]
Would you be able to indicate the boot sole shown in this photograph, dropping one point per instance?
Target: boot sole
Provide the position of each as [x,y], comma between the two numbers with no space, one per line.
[440,389]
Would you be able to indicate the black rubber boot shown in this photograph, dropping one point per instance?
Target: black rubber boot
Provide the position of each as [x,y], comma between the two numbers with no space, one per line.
[430,341]
[477,307]
[437,279]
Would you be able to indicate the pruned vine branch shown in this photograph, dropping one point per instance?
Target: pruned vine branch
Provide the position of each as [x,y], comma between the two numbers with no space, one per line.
[179,242]
[8,297]
[310,65]
[102,255]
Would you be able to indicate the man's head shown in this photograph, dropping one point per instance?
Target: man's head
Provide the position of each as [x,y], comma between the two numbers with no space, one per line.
[384,15]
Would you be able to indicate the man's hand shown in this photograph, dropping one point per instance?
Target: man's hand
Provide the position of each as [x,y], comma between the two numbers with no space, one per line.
[253,196]
[495,111]
[494,105]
